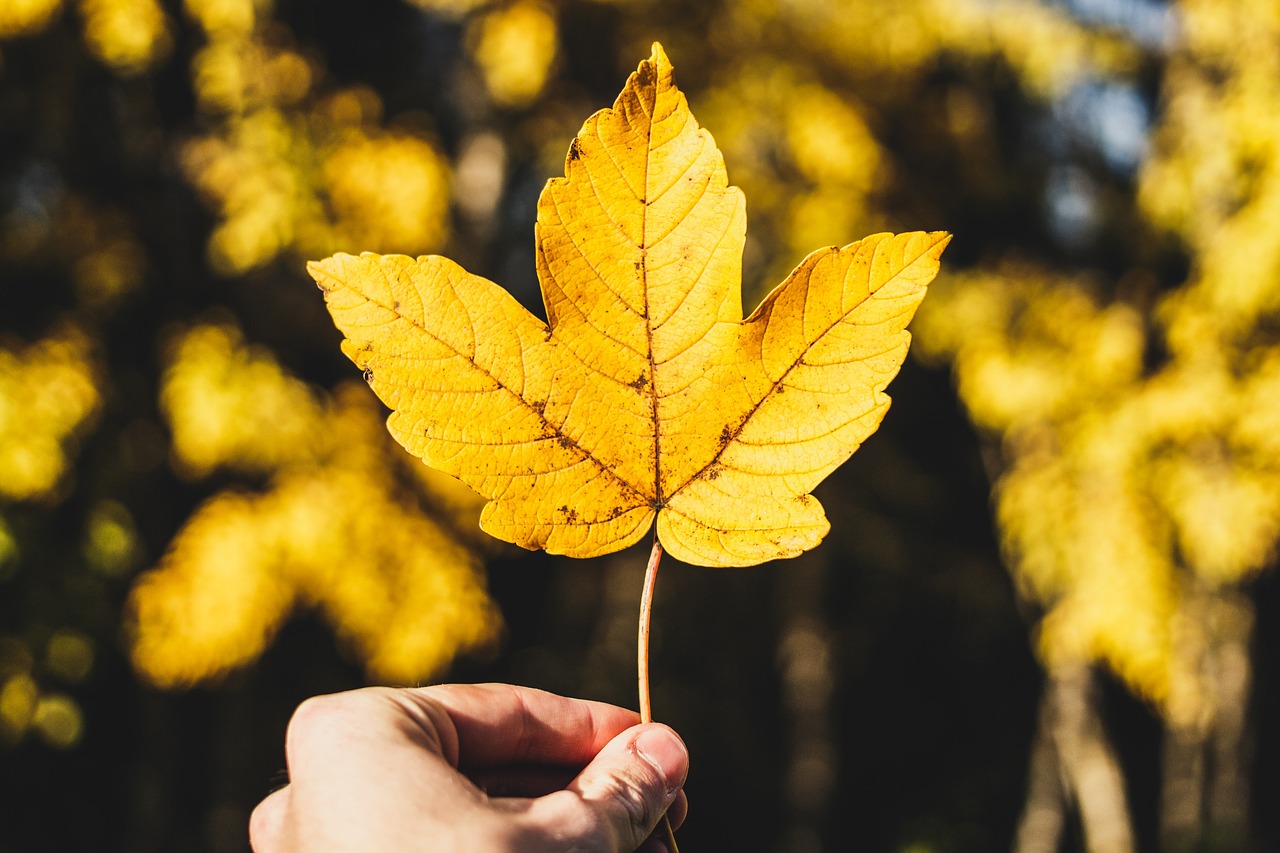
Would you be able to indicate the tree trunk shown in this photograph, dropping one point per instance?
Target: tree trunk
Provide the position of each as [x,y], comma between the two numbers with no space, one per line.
[1205,786]
[808,682]
[1071,746]
[1045,814]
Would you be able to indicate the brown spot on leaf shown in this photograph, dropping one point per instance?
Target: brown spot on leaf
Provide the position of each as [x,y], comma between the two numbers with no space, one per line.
[713,472]
[726,435]
[640,382]
[570,514]
[575,149]
[368,374]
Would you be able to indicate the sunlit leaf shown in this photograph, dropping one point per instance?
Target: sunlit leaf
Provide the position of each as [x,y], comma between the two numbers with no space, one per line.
[647,396]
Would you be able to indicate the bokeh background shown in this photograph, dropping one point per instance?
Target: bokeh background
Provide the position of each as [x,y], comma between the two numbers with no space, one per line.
[1043,620]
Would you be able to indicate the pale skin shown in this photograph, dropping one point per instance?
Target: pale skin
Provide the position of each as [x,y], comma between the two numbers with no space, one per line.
[463,767]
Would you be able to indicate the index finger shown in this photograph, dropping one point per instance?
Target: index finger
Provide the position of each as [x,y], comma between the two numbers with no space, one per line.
[503,724]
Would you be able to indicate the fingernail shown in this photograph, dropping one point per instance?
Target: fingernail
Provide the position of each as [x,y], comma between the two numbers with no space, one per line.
[666,753]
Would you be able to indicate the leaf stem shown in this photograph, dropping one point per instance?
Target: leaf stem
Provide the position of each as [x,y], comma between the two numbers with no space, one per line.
[642,661]
[642,650]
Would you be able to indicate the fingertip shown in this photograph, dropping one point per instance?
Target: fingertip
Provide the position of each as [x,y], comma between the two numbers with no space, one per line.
[662,749]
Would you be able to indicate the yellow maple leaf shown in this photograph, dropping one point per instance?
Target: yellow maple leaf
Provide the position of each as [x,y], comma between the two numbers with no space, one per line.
[645,395]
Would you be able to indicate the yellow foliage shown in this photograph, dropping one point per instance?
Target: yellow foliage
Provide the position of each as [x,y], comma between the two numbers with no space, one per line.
[128,35]
[252,178]
[236,75]
[1231,31]
[333,529]
[1043,364]
[769,113]
[48,396]
[1028,350]
[23,17]
[290,173]
[892,42]
[646,396]
[1047,48]
[389,191]
[809,161]
[514,47]
[1215,174]
[1227,515]
[224,18]
[1085,543]
[217,597]
[1255,431]
[1129,493]
[232,405]
[828,139]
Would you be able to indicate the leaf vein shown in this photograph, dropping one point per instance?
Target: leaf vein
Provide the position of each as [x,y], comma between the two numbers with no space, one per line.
[559,435]
[732,437]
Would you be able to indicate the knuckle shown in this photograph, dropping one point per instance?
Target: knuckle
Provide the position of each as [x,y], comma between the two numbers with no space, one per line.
[326,717]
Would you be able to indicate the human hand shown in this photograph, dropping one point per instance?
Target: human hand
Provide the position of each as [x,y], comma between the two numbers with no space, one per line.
[459,767]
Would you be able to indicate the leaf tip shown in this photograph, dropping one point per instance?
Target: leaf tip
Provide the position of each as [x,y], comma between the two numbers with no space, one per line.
[941,239]
[318,271]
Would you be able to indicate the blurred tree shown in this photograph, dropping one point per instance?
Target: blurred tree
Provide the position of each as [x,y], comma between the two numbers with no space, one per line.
[1140,490]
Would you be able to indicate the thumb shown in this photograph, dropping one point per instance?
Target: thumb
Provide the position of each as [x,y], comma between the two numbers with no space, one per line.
[617,800]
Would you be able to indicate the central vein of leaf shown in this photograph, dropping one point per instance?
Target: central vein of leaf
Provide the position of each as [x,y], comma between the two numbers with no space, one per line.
[658,499]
